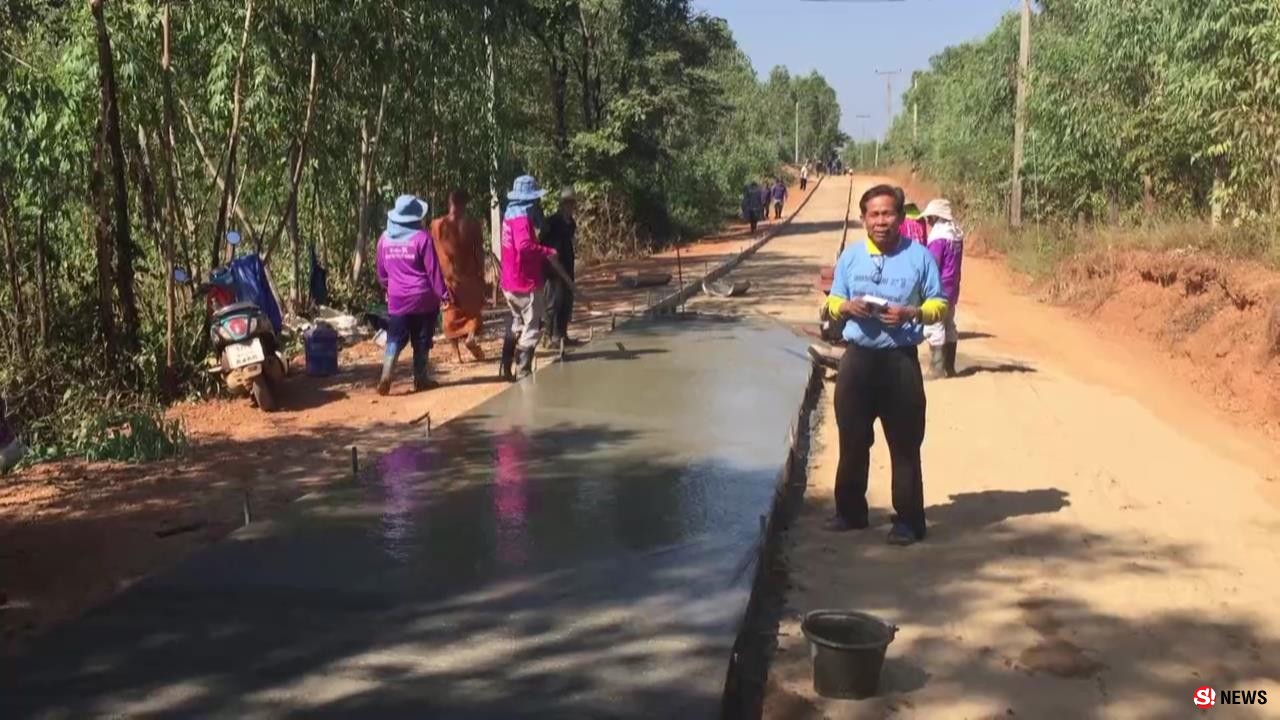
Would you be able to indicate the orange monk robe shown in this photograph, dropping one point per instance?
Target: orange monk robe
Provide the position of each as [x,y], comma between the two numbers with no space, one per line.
[460,249]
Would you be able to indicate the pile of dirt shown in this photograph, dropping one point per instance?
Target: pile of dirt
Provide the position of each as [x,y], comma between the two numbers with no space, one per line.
[1219,320]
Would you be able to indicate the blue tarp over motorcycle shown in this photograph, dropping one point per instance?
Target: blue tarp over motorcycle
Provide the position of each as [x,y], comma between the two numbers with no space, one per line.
[252,285]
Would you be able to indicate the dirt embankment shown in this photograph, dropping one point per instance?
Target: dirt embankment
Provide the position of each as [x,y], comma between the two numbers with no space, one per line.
[1218,322]
[1214,323]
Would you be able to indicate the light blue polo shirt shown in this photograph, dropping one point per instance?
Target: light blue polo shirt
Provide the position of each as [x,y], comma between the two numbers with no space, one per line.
[908,275]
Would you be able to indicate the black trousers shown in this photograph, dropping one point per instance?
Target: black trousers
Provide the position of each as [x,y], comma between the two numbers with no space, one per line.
[777,210]
[884,384]
[559,308]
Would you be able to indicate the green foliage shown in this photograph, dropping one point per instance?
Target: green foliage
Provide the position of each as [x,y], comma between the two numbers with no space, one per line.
[648,106]
[1178,96]
[98,424]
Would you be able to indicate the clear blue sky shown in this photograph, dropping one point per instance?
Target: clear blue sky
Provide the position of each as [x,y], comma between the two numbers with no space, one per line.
[848,41]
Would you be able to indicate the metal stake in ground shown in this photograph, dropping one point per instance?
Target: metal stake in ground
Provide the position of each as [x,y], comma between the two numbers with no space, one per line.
[355,463]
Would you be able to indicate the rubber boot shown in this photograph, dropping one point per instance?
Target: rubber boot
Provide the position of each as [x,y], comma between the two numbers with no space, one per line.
[508,356]
[388,367]
[524,362]
[422,380]
[949,359]
[936,363]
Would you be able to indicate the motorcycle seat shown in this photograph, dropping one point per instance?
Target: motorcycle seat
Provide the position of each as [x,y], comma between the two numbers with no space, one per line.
[235,309]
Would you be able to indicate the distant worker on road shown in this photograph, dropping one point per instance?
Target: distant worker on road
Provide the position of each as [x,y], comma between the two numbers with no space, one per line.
[779,197]
[752,206]
[560,234]
[408,268]
[946,243]
[523,259]
[804,177]
[887,288]
[913,224]
[766,196]
[522,276]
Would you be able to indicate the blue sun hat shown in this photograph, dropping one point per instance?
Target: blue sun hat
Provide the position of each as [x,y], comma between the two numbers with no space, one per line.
[525,189]
[409,209]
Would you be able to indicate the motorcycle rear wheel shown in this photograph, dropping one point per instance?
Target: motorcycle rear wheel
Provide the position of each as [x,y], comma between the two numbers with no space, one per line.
[263,394]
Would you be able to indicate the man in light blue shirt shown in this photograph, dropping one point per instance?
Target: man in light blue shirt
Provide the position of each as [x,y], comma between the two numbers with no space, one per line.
[885,290]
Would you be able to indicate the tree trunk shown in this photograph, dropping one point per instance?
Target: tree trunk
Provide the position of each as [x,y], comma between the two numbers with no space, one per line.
[295,241]
[362,213]
[42,278]
[144,178]
[590,84]
[368,175]
[559,92]
[233,141]
[295,180]
[210,170]
[168,153]
[103,251]
[110,109]
[15,282]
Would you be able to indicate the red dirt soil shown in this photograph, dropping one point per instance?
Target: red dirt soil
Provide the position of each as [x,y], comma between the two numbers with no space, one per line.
[73,533]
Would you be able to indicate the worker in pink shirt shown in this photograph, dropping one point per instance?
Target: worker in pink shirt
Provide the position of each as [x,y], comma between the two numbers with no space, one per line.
[523,259]
[913,227]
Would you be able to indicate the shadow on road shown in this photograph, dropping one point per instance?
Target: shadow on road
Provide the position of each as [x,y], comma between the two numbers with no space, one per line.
[1001,369]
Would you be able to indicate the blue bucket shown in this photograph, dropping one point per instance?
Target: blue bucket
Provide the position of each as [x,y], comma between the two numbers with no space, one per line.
[320,344]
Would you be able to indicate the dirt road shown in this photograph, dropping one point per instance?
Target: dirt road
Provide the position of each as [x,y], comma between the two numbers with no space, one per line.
[1102,541]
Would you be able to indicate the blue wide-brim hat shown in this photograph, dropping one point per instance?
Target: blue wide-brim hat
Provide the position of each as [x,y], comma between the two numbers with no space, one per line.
[525,189]
[409,209]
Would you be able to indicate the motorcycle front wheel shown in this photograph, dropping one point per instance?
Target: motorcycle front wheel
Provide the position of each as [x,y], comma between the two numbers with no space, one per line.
[263,394]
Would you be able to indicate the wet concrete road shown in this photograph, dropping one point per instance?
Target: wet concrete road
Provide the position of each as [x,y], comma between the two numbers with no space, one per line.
[578,546]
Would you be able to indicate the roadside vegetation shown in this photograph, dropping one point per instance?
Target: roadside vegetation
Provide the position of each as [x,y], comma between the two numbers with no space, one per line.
[138,133]
[1150,124]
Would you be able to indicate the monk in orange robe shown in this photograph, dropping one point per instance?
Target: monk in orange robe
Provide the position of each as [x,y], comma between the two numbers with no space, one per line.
[459,245]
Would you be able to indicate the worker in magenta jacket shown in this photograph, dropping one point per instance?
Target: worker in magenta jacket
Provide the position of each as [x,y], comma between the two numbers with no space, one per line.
[946,244]
[523,259]
[408,269]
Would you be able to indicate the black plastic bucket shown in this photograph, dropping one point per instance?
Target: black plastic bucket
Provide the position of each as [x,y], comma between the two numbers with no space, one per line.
[847,649]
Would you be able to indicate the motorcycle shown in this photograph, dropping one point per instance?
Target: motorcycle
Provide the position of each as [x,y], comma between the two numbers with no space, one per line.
[246,345]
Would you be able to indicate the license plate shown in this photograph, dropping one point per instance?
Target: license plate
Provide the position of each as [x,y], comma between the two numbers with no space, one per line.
[245,353]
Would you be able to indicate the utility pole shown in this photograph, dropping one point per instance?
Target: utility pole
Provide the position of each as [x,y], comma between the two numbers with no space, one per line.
[862,142]
[915,112]
[797,131]
[888,75]
[1020,116]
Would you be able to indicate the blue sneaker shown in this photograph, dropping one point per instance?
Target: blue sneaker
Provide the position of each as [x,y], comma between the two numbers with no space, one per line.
[901,534]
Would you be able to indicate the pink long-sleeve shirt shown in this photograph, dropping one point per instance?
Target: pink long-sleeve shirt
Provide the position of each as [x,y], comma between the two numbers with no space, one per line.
[522,255]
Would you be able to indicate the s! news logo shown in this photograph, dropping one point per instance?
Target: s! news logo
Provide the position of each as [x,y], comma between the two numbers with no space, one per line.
[1206,697]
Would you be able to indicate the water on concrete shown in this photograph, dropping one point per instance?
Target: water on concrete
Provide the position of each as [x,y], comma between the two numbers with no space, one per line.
[581,545]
